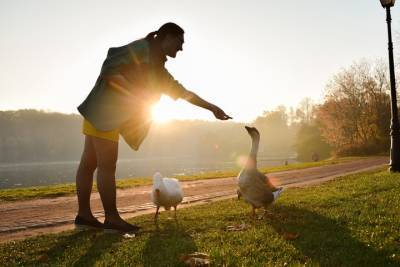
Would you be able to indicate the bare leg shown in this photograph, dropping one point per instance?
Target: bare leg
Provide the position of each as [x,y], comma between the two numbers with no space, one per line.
[175,212]
[84,179]
[107,154]
[253,213]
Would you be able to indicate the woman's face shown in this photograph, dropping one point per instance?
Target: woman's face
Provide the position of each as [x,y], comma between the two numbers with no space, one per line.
[172,44]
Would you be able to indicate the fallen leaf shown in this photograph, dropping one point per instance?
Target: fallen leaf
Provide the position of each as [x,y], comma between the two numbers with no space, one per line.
[290,236]
[196,259]
[43,258]
[237,227]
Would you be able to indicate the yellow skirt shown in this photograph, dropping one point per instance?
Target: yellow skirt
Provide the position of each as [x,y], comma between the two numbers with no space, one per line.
[89,129]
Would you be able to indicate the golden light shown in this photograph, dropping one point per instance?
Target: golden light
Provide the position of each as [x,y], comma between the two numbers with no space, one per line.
[274,180]
[162,111]
[241,161]
[167,109]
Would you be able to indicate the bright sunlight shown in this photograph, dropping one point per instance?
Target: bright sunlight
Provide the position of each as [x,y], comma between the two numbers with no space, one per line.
[163,112]
[167,110]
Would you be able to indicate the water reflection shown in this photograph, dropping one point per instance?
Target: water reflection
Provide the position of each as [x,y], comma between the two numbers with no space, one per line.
[34,174]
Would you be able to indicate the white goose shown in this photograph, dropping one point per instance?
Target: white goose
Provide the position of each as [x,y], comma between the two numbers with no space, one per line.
[167,193]
[254,186]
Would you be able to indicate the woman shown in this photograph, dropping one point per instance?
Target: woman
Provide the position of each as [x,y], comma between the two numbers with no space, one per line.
[131,80]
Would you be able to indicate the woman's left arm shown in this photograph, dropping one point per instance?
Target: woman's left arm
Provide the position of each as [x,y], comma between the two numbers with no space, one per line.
[198,101]
[176,90]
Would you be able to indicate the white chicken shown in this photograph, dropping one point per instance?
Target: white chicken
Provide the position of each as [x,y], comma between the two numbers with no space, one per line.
[167,193]
[254,186]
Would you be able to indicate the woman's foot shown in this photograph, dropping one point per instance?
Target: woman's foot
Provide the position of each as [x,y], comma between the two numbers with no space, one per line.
[82,223]
[119,226]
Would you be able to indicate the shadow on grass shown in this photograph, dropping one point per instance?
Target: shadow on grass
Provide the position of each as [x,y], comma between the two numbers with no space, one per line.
[166,245]
[325,241]
[92,244]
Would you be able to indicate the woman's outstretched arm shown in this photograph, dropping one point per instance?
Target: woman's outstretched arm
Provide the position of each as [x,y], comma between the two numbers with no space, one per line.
[198,101]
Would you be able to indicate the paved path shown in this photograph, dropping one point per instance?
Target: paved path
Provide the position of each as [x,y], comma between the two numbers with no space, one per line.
[28,218]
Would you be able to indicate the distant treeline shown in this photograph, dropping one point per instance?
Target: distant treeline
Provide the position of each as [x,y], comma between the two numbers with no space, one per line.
[353,119]
[32,135]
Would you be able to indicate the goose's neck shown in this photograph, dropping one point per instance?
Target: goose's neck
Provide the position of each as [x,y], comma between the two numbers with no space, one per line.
[254,147]
[252,162]
[158,181]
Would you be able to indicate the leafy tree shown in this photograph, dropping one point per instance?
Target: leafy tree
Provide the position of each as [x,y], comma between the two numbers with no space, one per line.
[276,137]
[355,117]
[309,142]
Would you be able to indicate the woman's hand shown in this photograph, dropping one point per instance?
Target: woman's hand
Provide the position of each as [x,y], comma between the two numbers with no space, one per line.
[198,101]
[220,114]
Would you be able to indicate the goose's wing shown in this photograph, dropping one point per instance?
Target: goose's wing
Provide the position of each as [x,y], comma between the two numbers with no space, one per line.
[253,188]
[172,183]
[246,177]
[173,188]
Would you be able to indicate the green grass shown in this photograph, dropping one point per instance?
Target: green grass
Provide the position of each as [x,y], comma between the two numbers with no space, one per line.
[15,194]
[351,221]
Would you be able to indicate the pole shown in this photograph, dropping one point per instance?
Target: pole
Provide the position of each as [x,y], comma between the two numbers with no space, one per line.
[394,126]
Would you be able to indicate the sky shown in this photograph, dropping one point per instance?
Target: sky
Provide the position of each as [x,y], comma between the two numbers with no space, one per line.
[244,56]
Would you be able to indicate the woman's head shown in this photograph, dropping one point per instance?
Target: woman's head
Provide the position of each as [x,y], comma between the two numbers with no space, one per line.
[170,37]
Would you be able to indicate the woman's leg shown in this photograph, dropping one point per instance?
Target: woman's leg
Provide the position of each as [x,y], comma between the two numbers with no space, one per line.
[107,155]
[84,179]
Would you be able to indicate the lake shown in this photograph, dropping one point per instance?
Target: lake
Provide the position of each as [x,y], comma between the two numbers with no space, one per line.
[48,173]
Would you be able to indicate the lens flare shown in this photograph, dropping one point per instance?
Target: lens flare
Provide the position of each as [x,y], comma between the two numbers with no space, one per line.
[241,161]
[160,114]
[274,180]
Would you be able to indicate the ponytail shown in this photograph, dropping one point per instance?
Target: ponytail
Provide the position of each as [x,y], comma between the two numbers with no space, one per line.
[168,28]
[151,36]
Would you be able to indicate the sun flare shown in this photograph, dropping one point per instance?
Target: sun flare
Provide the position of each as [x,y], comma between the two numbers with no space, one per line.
[162,112]
[167,110]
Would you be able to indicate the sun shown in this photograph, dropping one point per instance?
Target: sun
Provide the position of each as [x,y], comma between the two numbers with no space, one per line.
[167,110]
[162,112]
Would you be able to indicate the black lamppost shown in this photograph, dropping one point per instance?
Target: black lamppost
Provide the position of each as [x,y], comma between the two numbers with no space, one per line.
[394,126]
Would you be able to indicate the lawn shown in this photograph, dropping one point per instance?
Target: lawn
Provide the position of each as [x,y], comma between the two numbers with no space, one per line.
[15,194]
[351,221]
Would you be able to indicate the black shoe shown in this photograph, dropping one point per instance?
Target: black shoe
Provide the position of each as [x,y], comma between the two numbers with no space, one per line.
[111,228]
[83,224]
